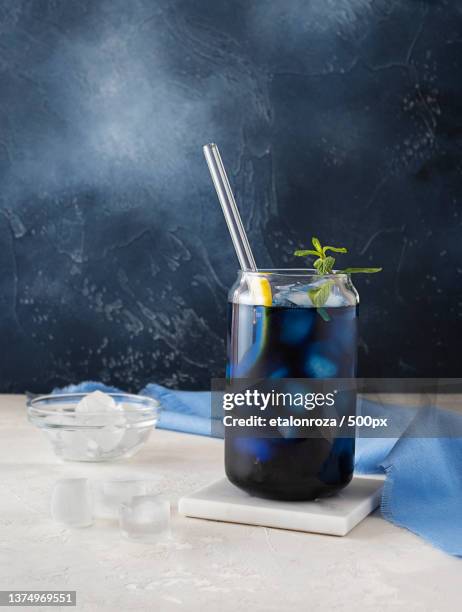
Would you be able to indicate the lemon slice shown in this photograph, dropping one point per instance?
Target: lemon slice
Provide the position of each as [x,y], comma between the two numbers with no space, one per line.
[260,290]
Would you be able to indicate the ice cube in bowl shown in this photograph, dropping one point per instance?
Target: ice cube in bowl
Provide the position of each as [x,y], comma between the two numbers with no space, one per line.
[82,427]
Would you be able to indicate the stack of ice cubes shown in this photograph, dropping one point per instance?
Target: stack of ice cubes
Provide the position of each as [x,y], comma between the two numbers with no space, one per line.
[100,428]
[297,295]
[97,410]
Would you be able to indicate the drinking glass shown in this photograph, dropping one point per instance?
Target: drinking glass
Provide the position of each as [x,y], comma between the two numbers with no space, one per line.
[277,329]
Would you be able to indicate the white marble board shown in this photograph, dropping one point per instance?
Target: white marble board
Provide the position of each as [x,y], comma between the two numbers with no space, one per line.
[336,515]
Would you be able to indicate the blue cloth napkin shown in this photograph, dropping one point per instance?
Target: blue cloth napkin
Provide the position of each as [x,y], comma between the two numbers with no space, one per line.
[186,411]
[423,486]
[370,451]
[423,469]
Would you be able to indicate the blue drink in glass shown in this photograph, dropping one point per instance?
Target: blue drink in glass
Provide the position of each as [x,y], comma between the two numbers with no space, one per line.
[274,331]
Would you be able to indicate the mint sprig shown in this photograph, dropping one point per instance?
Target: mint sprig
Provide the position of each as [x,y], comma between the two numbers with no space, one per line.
[324,265]
[360,270]
[320,295]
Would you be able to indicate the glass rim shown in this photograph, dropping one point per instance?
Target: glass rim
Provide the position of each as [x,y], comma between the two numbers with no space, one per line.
[50,403]
[297,272]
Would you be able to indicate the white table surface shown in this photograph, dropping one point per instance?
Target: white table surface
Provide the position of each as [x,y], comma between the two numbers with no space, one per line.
[207,565]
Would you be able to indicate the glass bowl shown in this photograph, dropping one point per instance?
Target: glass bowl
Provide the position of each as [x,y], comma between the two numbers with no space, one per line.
[94,435]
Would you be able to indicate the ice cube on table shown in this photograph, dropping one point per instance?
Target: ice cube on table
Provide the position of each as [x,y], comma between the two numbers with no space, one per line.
[72,502]
[111,494]
[145,517]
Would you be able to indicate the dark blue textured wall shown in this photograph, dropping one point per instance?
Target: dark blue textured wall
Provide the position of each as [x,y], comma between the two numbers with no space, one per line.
[341,118]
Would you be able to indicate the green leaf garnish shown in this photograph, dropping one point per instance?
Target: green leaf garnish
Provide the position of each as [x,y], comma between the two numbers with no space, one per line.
[317,245]
[319,295]
[359,271]
[322,312]
[305,253]
[324,265]
[334,249]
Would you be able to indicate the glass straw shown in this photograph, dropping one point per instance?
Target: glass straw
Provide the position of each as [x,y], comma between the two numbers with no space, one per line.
[229,206]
